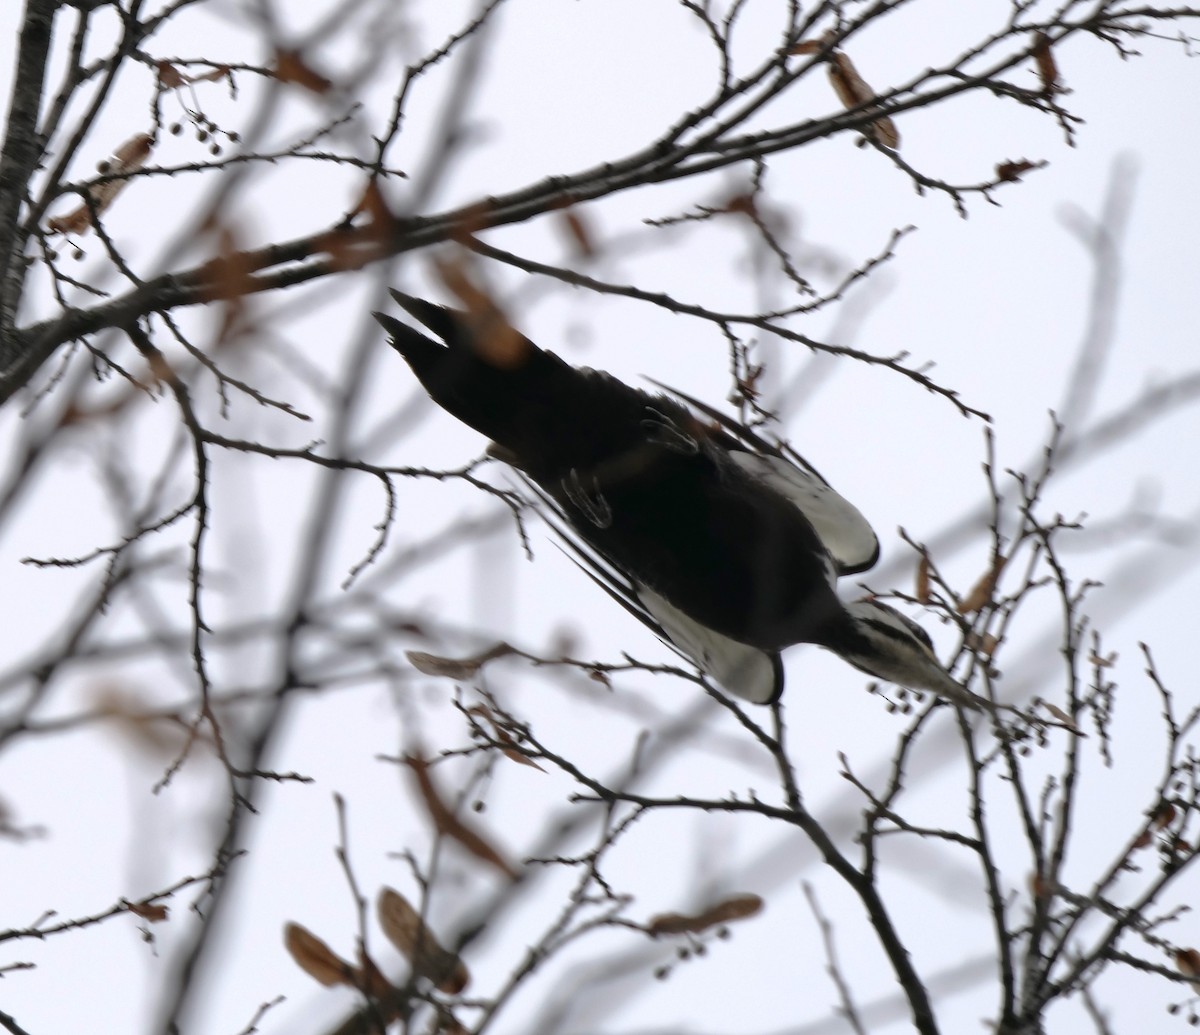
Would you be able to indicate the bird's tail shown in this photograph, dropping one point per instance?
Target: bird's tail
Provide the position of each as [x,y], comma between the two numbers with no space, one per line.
[486,374]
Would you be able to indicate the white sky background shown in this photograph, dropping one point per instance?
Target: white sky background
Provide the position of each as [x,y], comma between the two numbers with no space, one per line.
[999,301]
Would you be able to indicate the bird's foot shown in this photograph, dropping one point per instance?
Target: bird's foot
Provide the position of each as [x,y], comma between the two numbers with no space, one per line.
[591,504]
[663,431]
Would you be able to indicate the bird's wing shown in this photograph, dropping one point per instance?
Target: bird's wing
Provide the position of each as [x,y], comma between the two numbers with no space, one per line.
[845,533]
[841,527]
[747,672]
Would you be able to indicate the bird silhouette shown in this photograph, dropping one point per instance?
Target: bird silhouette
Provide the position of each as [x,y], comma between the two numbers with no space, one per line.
[728,546]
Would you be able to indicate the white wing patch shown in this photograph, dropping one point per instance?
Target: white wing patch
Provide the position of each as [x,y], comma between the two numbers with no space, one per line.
[745,671]
[847,536]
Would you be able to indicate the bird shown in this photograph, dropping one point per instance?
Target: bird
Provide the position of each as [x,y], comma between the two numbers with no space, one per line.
[726,545]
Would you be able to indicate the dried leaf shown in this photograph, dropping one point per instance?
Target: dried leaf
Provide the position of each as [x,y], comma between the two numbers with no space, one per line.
[290,67]
[806,47]
[133,153]
[1188,962]
[572,221]
[1060,715]
[370,979]
[77,221]
[1047,68]
[981,592]
[736,907]
[128,708]
[229,279]
[742,204]
[1011,172]
[152,912]
[511,749]
[493,338]
[408,932]
[316,958]
[1164,815]
[1143,839]
[434,665]
[449,825]
[984,644]
[853,91]
[218,72]
[1039,887]
[850,87]
[352,247]
[923,567]
[127,158]
[455,668]
[169,76]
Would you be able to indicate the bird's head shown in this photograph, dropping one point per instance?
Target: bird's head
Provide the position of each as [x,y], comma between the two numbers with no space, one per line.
[890,646]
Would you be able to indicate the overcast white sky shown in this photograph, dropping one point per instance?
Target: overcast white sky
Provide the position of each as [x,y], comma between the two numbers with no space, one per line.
[999,301]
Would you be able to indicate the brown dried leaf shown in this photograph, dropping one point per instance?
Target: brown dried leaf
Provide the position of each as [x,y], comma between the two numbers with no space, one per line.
[1164,815]
[576,228]
[1011,172]
[923,567]
[985,644]
[493,338]
[77,221]
[152,912]
[1039,887]
[853,90]
[1060,715]
[1143,839]
[218,72]
[127,158]
[370,979]
[742,204]
[511,749]
[1047,68]
[981,592]
[736,907]
[169,76]
[290,67]
[1188,962]
[455,668]
[128,708]
[448,824]
[373,204]
[806,47]
[434,665]
[230,278]
[408,932]
[352,247]
[316,958]
[348,246]
[133,153]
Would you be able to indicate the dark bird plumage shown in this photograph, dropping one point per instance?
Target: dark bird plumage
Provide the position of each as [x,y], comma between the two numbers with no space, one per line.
[725,544]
